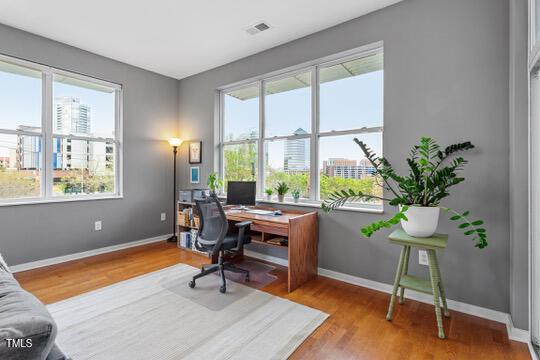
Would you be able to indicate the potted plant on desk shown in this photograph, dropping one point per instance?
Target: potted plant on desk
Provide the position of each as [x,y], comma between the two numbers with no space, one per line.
[282,188]
[432,172]
[269,192]
[214,183]
[296,195]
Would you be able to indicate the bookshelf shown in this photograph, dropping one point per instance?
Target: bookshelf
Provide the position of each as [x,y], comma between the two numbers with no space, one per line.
[187,222]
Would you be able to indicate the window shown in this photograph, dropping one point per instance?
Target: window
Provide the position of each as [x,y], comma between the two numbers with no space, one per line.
[59,134]
[299,126]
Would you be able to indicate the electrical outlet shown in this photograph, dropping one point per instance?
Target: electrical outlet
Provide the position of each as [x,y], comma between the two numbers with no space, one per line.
[163,216]
[422,257]
[97,225]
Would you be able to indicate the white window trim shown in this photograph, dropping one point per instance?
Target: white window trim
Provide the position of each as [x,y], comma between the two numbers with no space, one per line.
[314,136]
[47,135]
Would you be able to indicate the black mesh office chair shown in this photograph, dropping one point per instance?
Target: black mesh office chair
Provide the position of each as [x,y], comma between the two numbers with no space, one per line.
[213,238]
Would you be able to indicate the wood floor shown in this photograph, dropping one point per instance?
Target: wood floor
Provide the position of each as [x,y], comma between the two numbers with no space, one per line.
[356,328]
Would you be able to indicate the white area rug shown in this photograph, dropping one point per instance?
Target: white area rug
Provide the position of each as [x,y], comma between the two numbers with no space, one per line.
[145,318]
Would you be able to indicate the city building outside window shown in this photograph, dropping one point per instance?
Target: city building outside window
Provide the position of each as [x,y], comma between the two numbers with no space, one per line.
[60,134]
[298,127]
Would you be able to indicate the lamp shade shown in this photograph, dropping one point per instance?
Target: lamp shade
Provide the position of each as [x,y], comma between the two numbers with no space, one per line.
[175,142]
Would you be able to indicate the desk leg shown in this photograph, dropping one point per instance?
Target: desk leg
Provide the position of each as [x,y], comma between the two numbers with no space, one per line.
[302,250]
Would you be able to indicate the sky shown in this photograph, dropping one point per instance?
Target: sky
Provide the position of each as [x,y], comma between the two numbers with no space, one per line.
[20,104]
[348,103]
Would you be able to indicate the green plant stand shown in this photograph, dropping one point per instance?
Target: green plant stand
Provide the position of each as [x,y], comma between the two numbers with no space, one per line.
[433,285]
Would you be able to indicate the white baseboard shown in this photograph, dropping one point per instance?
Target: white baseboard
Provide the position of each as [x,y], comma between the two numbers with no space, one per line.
[515,333]
[494,315]
[84,254]
[534,355]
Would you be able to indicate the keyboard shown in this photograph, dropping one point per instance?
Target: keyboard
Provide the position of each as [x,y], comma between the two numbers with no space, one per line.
[260,212]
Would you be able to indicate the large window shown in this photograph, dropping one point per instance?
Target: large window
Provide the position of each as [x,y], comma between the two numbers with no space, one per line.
[299,126]
[59,134]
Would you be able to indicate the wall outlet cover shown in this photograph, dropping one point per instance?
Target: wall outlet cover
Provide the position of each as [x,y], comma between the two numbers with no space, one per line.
[97,225]
[423,258]
[163,216]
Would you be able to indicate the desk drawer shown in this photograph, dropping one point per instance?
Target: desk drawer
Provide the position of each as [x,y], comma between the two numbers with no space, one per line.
[270,229]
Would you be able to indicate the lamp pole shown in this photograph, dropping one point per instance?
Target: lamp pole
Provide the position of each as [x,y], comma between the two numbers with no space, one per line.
[173,238]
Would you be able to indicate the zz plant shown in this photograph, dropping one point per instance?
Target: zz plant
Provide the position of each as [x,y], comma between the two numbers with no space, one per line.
[432,172]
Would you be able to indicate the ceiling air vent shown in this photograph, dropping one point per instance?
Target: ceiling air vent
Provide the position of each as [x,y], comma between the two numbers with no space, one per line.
[257,28]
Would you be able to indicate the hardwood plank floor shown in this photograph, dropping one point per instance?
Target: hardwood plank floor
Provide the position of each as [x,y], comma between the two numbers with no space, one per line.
[356,328]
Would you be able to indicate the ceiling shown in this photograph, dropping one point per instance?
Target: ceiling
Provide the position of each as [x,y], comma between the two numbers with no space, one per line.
[178,38]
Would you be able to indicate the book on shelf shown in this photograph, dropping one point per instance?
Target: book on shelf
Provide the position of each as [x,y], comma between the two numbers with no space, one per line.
[184,240]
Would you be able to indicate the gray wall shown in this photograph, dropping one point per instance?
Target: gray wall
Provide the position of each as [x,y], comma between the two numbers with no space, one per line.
[446,76]
[519,199]
[34,232]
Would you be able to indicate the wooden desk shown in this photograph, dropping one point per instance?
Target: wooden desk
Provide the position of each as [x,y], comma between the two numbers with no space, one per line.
[301,229]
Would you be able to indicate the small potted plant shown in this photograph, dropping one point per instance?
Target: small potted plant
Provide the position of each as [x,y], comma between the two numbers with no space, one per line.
[269,192]
[281,188]
[432,171]
[214,183]
[296,195]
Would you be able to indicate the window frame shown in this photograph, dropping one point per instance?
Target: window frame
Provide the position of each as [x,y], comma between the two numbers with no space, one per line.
[47,134]
[314,135]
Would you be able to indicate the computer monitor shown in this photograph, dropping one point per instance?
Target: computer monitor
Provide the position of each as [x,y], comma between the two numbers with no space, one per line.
[241,192]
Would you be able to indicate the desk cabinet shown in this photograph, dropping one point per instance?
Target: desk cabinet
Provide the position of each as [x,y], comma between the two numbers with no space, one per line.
[301,231]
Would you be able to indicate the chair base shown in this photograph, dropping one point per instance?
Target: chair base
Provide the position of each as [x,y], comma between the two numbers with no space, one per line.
[220,267]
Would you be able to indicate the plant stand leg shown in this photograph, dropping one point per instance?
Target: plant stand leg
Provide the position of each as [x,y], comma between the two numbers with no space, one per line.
[396,284]
[434,276]
[441,287]
[404,272]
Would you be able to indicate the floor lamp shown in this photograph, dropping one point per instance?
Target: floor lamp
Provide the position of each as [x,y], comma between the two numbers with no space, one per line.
[175,143]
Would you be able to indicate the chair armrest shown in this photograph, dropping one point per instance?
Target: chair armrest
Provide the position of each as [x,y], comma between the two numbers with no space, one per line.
[243,224]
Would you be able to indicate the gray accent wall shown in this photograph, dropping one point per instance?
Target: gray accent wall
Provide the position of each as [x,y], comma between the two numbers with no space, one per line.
[519,135]
[446,76]
[35,232]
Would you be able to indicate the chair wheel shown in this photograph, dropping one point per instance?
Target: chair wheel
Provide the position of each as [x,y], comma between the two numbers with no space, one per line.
[191,284]
[222,289]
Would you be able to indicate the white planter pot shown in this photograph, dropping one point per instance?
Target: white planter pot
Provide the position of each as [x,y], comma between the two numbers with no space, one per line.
[268,197]
[280,198]
[296,200]
[422,222]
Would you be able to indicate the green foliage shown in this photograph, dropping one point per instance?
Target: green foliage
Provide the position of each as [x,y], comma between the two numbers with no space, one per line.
[83,182]
[368,230]
[432,172]
[240,162]
[214,182]
[15,184]
[471,228]
[298,181]
[269,191]
[295,194]
[338,198]
[282,188]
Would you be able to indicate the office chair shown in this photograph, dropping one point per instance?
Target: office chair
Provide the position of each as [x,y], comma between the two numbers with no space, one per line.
[213,238]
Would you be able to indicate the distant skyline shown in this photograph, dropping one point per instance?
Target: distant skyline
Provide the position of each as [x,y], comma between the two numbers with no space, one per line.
[20,104]
[352,102]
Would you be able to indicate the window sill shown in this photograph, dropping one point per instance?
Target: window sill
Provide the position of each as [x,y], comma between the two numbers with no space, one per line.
[36,201]
[363,209]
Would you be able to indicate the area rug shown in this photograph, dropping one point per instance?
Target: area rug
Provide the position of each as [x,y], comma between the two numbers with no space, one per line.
[146,318]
